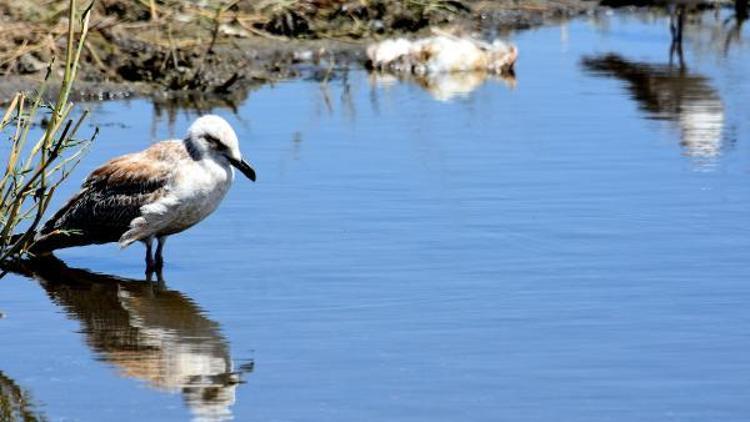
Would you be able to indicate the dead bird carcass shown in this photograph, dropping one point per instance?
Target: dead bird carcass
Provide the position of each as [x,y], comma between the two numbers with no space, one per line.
[442,53]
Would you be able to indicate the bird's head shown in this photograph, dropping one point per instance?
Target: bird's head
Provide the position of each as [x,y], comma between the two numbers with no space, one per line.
[213,136]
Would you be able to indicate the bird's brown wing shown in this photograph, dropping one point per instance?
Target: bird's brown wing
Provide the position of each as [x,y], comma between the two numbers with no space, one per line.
[110,198]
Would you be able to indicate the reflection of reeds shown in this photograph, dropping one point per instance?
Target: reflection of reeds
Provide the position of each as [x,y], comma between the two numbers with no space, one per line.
[16,403]
[33,172]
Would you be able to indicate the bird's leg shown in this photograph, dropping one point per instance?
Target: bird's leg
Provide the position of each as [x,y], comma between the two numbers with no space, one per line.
[159,249]
[149,255]
[160,283]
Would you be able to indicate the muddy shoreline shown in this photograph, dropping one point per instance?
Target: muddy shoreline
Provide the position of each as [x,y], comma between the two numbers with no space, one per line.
[235,63]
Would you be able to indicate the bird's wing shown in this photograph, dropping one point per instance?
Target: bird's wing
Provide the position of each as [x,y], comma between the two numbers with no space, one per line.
[111,198]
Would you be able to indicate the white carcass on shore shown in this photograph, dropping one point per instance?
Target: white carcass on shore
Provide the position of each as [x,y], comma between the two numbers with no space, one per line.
[442,53]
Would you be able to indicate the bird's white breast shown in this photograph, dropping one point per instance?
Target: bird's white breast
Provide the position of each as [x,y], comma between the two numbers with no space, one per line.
[197,190]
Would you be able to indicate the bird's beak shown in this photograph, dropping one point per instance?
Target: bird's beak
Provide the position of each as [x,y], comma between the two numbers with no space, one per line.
[244,167]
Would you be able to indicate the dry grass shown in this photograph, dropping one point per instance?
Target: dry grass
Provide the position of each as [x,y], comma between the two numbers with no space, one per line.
[169,40]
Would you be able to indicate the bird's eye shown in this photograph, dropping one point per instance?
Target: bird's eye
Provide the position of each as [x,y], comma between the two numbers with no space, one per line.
[215,143]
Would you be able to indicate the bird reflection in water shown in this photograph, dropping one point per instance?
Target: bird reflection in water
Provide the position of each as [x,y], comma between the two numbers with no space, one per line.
[149,333]
[445,86]
[669,93]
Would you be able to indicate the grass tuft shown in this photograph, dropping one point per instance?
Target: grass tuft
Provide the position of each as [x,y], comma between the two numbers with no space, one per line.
[34,171]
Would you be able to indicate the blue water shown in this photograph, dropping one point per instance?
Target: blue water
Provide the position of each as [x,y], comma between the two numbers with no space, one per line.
[572,248]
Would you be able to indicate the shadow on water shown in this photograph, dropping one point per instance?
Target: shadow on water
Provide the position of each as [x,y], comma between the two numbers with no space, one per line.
[16,403]
[674,94]
[148,332]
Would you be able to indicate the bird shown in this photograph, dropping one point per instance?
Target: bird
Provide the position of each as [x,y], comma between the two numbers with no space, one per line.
[149,195]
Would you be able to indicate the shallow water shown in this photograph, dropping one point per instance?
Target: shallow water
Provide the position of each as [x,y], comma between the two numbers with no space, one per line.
[574,247]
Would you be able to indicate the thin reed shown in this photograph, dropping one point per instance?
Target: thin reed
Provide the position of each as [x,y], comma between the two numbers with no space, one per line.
[34,171]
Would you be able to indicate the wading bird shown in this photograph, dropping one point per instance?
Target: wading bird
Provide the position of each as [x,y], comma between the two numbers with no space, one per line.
[151,194]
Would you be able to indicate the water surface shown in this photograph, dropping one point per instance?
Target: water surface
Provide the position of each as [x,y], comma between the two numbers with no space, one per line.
[569,245]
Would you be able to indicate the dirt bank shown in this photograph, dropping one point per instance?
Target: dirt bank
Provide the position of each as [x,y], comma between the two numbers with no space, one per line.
[177,51]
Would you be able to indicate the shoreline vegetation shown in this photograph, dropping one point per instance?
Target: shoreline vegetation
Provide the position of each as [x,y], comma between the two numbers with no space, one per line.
[213,52]
[223,48]
[34,169]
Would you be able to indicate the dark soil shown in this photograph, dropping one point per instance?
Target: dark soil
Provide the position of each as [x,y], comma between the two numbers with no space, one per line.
[204,55]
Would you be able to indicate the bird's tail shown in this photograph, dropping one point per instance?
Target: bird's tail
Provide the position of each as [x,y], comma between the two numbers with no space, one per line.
[29,243]
[45,243]
[40,243]
[16,237]
[13,239]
